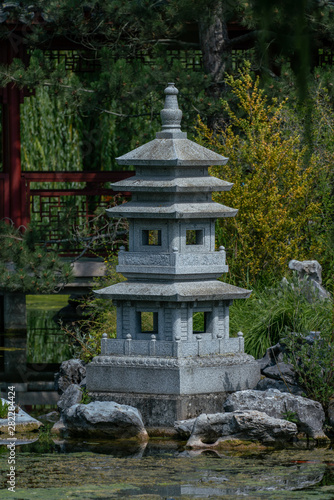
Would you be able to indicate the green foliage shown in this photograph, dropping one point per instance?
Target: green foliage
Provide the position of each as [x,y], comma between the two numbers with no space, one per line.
[291,416]
[86,399]
[271,313]
[314,364]
[99,317]
[290,34]
[130,45]
[274,187]
[50,138]
[26,267]
[199,322]
[4,409]
[287,313]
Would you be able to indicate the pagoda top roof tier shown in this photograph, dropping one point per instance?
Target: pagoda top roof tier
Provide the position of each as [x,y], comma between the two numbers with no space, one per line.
[172,152]
[171,146]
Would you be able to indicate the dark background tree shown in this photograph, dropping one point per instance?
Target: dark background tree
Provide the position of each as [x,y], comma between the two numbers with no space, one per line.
[131,42]
[123,54]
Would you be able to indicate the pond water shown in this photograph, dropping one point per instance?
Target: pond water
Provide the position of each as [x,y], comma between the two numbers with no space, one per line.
[52,468]
[46,342]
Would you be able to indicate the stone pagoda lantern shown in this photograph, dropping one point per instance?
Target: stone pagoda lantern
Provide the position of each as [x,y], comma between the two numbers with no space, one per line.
[173,357]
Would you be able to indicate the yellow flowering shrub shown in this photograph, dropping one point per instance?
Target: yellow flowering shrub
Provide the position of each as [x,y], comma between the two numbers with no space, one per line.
[273,187]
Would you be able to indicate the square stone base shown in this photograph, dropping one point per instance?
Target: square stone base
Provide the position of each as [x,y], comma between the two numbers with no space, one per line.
[168,389]
[164,410]
[174,376]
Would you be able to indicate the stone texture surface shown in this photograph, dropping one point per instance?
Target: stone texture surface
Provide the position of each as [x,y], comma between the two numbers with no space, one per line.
[269,383]
[272,356]
[23,422]
[309,273]
[211,430]
[307,268]
[274,403]
[177,292]
[72,371]
[52,416]
[331,412]
[161,410]
[59,427]
[107,419]
[71,396]
[158,375]
[281,371]
[184,428]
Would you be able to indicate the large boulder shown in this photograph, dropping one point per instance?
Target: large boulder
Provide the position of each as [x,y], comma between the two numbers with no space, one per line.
[72,371]
[184,428]
[71,396]
[282,371]
[310,269]
[212,430]
[309,274]
[105,418]
[309,414]
[268,383]
[273,355]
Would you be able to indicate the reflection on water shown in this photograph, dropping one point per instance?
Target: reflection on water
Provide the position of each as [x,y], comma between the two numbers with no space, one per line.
[41,346]
[46,342]
[163,469]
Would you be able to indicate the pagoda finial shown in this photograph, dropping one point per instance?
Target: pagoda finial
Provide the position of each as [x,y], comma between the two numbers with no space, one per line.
[171,115]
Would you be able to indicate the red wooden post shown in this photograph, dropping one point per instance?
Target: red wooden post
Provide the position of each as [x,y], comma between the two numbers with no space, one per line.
[11,139]
[15,184]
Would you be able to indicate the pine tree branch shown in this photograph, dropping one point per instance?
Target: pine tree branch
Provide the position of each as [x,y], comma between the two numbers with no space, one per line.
[11,236]
[122,115]
[242,38]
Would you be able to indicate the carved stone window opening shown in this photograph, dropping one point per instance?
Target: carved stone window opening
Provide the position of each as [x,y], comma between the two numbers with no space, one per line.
[194,237]
[201,321]
[148,321]
[151,237]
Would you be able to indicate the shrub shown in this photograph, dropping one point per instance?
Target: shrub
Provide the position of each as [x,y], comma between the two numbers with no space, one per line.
[25,266]
[273,185]
[3,408]
[314,364]
[99,317]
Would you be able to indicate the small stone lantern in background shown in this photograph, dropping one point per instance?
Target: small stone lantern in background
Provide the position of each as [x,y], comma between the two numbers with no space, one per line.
[173,357]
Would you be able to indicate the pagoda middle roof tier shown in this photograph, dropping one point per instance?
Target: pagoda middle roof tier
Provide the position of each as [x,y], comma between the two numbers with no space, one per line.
[170,210]
[177,291]
[172,152]
[172,185]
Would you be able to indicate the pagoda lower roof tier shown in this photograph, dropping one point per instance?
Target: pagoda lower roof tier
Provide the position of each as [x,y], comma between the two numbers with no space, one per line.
[172,152]
[168,210]
[174,185]
[175,292]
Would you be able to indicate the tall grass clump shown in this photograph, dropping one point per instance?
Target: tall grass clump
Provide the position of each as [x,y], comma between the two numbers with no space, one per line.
[270,314]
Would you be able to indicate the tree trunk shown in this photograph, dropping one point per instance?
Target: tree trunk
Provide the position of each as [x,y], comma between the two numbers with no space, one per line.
[213,39]
[215,48]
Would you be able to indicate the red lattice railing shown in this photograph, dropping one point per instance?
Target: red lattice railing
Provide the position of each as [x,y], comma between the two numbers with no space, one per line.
[48,206]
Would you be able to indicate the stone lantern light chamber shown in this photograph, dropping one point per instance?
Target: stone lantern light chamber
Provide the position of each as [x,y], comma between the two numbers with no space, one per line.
[173,357]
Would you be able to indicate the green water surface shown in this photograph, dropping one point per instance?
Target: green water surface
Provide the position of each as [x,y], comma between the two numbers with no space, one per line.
[166,470]
[46,342]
